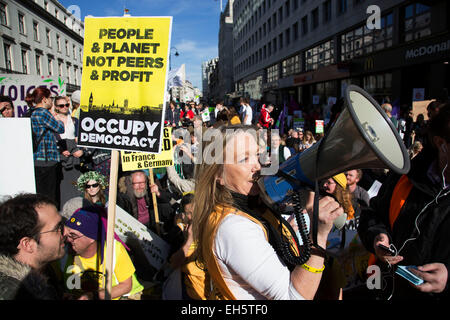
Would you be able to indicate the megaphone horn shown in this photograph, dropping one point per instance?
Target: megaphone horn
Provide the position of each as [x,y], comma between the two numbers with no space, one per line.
[362,137]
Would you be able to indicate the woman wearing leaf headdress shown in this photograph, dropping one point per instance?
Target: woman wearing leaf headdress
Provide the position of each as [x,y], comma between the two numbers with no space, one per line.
[92,185]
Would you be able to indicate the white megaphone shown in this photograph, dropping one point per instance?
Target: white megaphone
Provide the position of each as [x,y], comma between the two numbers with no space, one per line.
[362,137]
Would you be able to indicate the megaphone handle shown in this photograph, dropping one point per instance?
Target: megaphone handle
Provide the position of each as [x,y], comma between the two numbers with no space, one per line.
[315,220]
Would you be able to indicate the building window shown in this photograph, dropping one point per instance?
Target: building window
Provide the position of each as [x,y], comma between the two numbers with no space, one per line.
[304,25]
[326,11]
[315,18]
[7,52]
[36,30]
[361,41]
[21,23]
[280,41]
[50,66]
[280,14]
[38,64]
[287,36]
[295,4]
[378,84]
[272,73]
[3,14]
[24,57]
[319,56]
[67,48]
[58,42]
[49,37]
[60,68]
[74,52]
[69,79]
[287,7]
[75,71]
[290,66]
[417,23]
[342,6]
[295,30]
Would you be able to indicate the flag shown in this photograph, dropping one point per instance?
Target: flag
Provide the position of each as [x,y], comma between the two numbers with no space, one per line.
[280,122]
[176,77]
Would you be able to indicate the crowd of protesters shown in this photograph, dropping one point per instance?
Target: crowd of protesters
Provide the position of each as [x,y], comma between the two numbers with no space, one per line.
[213,218]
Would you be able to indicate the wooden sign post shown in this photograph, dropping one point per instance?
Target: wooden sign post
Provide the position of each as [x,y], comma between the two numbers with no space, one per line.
[111,222]
[155,203]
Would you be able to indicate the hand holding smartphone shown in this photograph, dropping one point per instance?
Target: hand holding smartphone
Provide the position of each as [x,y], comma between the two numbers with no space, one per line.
[387,250]
[404,272]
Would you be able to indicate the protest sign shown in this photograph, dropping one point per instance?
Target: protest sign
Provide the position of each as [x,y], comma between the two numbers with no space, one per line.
[418,94]
[16,164]
[319,126]
[206,116]
[124,83]
[331,101]
[298,123]
[298,114]
[316,99]
[17,86]
[129,229]
[142,160]
[420,107]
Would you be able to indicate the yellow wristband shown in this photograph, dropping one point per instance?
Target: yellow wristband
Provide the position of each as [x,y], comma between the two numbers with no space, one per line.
[311,269]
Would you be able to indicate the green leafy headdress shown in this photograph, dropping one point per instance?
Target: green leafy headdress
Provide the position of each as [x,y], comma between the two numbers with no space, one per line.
[91,175]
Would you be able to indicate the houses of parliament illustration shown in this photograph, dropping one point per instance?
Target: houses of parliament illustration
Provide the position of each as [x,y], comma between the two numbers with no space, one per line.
[122,109]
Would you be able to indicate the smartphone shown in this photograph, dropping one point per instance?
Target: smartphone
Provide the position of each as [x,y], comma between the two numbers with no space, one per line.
[404,272]
[386,249]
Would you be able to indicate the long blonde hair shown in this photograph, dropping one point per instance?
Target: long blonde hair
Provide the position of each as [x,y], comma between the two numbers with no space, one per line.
[209,193]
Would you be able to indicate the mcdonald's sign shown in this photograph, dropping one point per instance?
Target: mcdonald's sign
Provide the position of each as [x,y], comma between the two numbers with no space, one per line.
[368,63]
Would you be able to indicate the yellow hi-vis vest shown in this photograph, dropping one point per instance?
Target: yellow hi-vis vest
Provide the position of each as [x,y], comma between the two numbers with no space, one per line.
[206,282]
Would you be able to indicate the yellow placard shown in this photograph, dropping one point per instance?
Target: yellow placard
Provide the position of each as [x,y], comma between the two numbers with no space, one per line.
[124,82]
[142,160]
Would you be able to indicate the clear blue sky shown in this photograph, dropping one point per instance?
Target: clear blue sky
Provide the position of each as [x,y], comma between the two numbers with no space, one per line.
[195,26]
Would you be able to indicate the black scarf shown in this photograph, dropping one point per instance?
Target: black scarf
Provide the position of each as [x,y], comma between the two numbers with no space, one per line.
[251,205]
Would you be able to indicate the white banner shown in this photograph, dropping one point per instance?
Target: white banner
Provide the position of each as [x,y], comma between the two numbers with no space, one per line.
[156,250]
[16,162]
[17,86]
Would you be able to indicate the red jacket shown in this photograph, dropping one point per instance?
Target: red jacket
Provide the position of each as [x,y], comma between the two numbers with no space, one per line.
[264,118]
[190,114]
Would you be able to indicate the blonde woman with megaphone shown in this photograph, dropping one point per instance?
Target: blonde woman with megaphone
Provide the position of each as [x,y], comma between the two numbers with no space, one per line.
[232,227]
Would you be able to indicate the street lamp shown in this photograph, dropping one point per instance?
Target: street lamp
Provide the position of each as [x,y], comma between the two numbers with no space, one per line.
[170,59]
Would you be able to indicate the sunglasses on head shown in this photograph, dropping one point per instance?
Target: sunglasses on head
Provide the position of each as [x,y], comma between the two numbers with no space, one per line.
[63,105]
[95,185]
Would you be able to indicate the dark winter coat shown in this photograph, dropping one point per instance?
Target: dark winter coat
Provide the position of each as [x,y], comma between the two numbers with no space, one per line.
[19,282]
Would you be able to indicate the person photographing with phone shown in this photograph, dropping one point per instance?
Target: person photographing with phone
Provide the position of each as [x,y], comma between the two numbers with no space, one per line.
[408,222]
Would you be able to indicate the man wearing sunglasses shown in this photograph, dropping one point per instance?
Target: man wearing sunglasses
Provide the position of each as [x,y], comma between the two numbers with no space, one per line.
[31,236]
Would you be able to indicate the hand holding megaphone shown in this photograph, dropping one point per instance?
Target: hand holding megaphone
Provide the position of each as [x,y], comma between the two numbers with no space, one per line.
[329,211]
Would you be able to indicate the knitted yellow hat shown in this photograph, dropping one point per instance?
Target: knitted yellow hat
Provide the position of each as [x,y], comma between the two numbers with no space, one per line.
[341,179]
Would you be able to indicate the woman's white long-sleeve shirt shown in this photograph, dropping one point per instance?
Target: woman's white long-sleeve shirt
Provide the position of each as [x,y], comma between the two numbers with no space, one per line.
[250,266]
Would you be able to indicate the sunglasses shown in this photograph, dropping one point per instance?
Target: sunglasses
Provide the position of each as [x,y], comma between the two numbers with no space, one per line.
[63,105]
[95,185]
